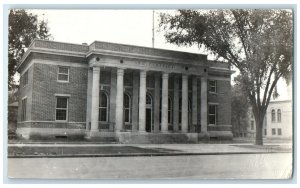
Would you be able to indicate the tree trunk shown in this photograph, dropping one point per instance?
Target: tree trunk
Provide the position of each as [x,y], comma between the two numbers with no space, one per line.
[259,137]
[259,120]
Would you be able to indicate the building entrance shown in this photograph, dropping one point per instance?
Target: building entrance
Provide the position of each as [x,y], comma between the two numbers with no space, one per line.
[148,113]
[148,119]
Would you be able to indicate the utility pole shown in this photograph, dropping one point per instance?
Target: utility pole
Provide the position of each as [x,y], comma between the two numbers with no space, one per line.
[153,29]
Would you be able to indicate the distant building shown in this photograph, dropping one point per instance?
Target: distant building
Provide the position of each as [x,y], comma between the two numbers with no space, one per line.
[131,93]
[278,120]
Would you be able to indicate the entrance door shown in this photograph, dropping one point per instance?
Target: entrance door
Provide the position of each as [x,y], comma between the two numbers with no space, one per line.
[148,119]
[148,113]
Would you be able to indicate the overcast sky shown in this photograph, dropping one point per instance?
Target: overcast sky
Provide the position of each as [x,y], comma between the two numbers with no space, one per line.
[133,27]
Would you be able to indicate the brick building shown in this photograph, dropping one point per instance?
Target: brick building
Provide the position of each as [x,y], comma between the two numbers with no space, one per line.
[128,93]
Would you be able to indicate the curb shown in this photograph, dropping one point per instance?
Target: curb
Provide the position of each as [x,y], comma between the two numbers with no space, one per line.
[141,154]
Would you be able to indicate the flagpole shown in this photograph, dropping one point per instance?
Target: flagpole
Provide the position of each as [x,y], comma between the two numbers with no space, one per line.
[153,29]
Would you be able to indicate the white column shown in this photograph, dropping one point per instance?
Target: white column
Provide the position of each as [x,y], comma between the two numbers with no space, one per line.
[119,100]
[194,103]
[203,104]
[89,98]
[142,102]
[184,104]
[164,108]
[156,111]
[176,104]
[95,99]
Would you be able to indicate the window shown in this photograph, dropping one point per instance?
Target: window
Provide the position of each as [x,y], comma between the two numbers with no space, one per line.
[127,105]
[279,132]
[212,114]
[63,74]
[148,99]
[103,107]
[273,131]
[212,84]
[24,80]
[273,115]
[61,108]
[265,131]
[24,104]
[252,125]
[278,115]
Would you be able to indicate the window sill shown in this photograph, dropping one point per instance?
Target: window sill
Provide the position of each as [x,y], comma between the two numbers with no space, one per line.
[62,81]
[61,121]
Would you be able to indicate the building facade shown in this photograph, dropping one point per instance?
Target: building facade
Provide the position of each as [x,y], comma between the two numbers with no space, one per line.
[130,93]
[277,122]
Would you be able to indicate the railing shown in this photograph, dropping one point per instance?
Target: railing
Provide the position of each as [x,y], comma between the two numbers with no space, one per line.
[60,46]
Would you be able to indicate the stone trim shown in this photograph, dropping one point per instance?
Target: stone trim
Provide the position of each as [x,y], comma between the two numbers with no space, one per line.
[52,124]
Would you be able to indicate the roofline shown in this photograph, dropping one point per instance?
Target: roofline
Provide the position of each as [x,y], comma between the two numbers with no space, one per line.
[161,49]
[31,49]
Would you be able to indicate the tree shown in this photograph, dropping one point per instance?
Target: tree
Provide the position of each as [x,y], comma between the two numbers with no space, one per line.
[257,42]
[240,108]
[23,28]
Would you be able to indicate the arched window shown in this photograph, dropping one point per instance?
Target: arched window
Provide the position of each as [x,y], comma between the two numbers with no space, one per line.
[127,108]
[103,107]
[148,99]
[273,115]
[279,115]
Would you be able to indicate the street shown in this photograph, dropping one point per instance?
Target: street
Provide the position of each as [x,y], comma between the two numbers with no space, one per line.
[240,166]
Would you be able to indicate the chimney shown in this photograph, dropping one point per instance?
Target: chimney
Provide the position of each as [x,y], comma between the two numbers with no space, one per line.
[84,44]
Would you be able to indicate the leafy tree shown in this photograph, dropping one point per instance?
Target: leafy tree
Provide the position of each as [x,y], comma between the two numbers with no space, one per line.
[257,42]
[23,28]
[239,109]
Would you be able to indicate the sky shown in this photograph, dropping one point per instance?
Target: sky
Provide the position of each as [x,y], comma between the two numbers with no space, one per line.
[133,27]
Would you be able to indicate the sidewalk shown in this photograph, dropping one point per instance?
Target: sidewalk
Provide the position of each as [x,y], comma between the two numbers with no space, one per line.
[126,150]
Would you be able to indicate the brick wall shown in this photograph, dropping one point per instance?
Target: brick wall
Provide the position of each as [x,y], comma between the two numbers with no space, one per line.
[26,91]
[42,80]
[223,98]
[45,86]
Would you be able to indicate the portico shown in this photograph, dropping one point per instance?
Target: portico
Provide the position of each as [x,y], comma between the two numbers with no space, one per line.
[164,104]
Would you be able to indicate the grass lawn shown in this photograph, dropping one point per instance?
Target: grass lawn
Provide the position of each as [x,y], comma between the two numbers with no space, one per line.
[60,151]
